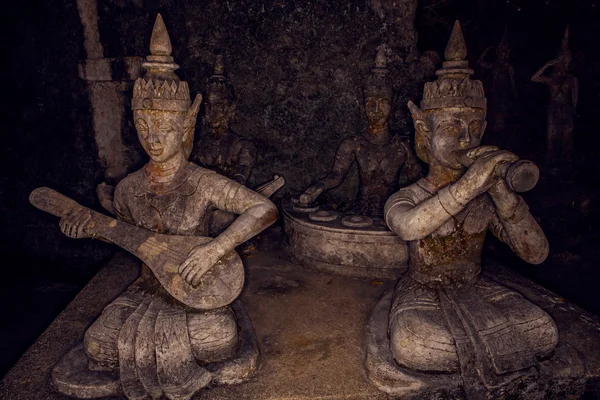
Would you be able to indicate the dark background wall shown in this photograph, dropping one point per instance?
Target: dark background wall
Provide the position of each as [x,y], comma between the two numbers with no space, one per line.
[297,66]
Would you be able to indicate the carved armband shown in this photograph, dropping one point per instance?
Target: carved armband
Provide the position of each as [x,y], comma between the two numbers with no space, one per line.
[449,202]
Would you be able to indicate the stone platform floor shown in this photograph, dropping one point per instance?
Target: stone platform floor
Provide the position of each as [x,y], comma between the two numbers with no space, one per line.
[310,328]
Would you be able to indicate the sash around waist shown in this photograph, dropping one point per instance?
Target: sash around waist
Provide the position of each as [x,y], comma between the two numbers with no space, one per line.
[453,276]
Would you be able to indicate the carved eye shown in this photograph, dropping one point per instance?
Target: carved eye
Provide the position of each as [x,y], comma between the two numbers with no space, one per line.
[141,126]
[449,130]
[475,128]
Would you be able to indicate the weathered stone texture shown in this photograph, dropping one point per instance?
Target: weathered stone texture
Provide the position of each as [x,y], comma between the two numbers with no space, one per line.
[297,67]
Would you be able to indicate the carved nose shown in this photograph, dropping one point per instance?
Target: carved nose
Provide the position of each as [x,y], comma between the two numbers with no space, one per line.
[465,138]
[152,137]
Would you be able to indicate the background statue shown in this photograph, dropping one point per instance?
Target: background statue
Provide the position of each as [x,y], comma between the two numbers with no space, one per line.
[444,316]
[564,89]
[219,147]
[503,87]
[380,155]
[171,196]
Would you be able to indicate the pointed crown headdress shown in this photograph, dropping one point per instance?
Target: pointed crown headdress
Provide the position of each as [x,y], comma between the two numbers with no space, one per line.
[564,51]
[379,82]
[160,88]
[454,87]
[219,86]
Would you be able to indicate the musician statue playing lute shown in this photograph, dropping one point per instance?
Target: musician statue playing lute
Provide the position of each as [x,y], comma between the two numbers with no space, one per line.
[156,344]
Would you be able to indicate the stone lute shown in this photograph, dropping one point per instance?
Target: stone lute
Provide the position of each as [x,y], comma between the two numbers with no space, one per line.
[163,254]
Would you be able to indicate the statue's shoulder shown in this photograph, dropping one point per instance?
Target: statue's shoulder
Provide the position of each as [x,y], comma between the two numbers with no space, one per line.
[353,142]
[131,181]
[196,172]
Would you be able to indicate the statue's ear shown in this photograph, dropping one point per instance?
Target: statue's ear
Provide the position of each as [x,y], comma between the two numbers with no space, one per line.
[418,116]
[232,109]
[189,122]
[422,131]
[189,125]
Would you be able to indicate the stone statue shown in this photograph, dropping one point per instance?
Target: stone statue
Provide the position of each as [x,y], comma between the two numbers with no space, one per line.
[443,316]
[154,340]
[564,89]
[503,87]
[380,155]
[219,147]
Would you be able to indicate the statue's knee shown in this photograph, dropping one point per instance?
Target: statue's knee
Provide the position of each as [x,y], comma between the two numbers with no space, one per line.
[100,340]
[418,346]
[213,334]
[541,332]
[100,348]
[536,325]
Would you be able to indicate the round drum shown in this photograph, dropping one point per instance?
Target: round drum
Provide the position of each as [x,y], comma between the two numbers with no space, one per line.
[350,245]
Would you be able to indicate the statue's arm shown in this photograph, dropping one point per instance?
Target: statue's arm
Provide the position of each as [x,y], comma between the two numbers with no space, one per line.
[575,92]
[119,204]
[412,220]
[513,224]
[255,211]
[344,158]
[481,61]
[245,162]
[513,86]
[412,166]
[539,77]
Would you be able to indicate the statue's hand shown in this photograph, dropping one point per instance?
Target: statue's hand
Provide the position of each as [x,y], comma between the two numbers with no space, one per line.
[75,224]
[199,261]
[311,194]
[482,174]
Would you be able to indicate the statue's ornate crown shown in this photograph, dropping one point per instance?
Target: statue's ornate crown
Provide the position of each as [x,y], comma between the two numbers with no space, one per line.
[219,86]
[379,82]
[160,88]
[454,87]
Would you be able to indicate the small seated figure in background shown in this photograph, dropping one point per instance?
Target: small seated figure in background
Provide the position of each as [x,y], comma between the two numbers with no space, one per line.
[219,147]
[380,155]
[444,316]
[560,114]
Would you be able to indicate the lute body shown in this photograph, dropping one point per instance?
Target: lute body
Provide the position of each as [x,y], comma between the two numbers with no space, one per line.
[163,254]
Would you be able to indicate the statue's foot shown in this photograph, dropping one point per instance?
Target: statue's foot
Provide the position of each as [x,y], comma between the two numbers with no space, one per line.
[73,377]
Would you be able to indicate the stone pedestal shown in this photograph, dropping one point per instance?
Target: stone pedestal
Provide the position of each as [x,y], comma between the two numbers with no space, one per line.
[341,244]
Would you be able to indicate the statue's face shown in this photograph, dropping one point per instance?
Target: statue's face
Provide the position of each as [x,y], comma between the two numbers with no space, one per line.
[217,111]
[454,130]
[160,133]
[378,110]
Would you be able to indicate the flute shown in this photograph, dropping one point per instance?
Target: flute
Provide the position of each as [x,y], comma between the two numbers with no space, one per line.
[521,175]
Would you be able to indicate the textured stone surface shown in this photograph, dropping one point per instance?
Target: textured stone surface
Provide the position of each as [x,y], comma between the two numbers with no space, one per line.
[311,342]
[297,68]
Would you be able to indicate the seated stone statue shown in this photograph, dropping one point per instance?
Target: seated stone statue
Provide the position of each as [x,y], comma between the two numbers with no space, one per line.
[444,316]
[158,345]
[219,147]
[380,155]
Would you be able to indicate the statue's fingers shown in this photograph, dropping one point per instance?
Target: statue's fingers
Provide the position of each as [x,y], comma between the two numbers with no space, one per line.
[188,271]
[480,151]
[196,279]
[183,267]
